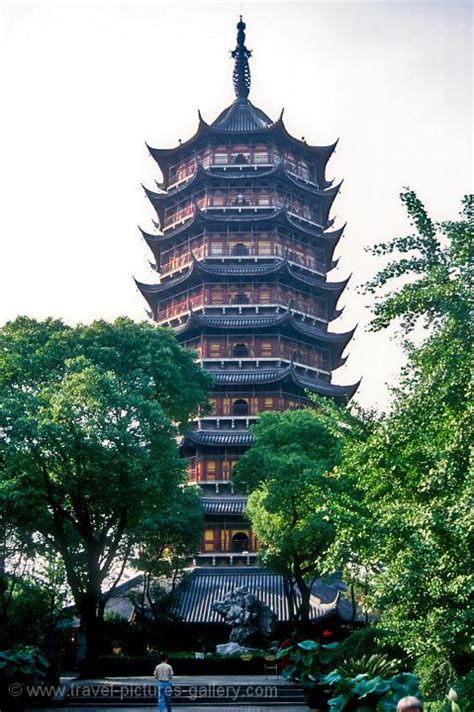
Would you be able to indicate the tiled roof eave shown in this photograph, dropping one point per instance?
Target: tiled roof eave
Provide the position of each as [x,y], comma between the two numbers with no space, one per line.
[205,586]
[218,438]
[224,505]
[338,340]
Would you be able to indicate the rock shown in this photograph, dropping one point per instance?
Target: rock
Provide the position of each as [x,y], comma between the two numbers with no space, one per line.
[230,648]
[251,620]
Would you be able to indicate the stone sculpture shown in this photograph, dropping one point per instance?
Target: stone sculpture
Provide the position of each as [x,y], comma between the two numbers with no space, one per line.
[252,621]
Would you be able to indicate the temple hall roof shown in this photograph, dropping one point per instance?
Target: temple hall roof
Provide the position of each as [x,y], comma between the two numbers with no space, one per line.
[205,586]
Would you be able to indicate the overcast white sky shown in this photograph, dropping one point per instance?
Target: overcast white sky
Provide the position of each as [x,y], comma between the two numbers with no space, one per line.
[84,84]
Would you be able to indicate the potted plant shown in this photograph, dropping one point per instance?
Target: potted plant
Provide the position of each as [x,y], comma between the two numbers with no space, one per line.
[308,661]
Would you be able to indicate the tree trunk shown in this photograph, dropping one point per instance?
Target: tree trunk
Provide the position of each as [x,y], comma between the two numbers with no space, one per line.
[91,625]
[91,609]
[290,597]
[305,605]
[353,601]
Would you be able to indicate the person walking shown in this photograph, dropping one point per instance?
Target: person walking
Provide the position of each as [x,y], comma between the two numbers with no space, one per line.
[164,674]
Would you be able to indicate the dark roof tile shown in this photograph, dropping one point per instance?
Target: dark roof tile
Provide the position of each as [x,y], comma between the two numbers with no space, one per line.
[224,505]
[206,586]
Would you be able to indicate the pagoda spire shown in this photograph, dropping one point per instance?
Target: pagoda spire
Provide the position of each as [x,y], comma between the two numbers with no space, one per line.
[241,74]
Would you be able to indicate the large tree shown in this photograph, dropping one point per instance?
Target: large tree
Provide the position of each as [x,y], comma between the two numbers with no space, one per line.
[88,423]
[300,504]
[414,467]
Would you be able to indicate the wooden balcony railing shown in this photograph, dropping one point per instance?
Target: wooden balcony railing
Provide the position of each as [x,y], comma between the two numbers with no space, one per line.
[248,298]
[203,471]
[313,360]
[210,249]
[229,203]
[243,407]
[210,547]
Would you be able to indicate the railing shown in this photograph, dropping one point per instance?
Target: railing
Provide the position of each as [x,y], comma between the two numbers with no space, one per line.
[242,159]
[210,547]
[269,250]
[254,160]
[253,406]
[239,162]
[201,472]
[239,204]
[249,299]
[178,216]
[182,177]
[312,360]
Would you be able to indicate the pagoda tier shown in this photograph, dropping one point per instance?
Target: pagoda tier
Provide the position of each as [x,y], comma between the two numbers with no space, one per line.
[244,195]
[243,246]
[257,241]
[254,197]
[217,145]
[224,177]
[227,288]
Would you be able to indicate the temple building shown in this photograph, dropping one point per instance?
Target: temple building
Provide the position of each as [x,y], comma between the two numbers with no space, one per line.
[242,246]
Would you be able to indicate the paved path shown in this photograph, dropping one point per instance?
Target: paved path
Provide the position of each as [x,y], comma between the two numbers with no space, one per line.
[199,708]
[184,680]
[205,680]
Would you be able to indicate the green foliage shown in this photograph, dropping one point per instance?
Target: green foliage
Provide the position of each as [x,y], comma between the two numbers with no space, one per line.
[362,642]
[366,692]
[373,665]
[464,688]
[299,499]
[368,683]
[437,261]
[308,661]
[414,465]
[88,424]
[23,663]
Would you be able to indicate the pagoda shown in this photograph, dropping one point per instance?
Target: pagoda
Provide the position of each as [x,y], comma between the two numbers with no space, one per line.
[242,246]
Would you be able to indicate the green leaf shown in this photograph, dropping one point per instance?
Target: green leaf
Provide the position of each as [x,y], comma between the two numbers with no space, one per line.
[309,645]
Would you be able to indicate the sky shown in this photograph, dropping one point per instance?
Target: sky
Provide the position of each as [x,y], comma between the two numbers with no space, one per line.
[85,84]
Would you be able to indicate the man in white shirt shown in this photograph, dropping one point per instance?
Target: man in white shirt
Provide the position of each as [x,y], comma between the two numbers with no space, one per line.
[164,674]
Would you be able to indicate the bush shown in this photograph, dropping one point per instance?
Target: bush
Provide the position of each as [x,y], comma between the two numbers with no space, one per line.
[364,641]
[23,665]
[183,663]
[436,675]
[465,690]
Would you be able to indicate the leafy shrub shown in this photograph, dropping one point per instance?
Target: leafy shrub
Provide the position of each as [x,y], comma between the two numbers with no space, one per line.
[25,664]
[184,663]
[308,661]
[374,665]
[362,692]
[436,675]
[364,641]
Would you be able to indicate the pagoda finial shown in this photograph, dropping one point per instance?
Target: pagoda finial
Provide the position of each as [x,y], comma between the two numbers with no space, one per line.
[241,74]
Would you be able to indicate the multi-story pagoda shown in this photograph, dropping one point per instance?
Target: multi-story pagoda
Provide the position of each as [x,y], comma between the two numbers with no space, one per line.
[243,247]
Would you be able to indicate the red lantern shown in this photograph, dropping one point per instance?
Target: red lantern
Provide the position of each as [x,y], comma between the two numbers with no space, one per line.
[327,633]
